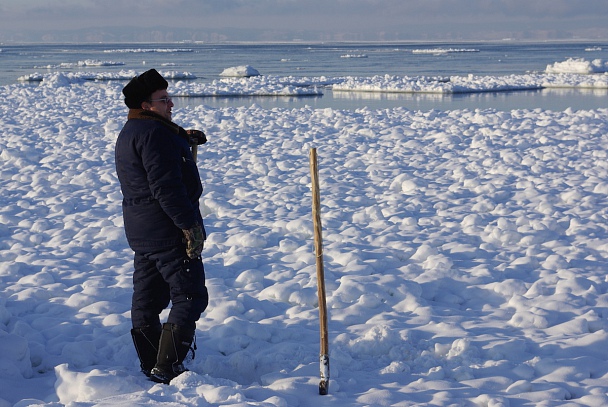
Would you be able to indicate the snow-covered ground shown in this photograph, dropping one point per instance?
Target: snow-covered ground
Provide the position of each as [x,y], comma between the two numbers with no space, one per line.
[465,254]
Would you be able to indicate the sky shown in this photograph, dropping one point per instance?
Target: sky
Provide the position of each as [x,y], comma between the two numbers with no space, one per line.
[262,20]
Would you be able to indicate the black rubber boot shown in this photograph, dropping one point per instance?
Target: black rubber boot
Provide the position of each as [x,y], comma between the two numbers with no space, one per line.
[146,341]
[175,342]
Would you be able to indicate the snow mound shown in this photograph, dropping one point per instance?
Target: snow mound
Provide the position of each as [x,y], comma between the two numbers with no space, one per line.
[578,66]
[242,71]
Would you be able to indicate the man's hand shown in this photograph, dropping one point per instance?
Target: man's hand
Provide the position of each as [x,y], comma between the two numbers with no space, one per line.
[197,137]
[195,239]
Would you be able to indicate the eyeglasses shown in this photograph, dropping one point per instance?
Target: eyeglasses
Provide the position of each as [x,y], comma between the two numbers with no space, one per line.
[165,100]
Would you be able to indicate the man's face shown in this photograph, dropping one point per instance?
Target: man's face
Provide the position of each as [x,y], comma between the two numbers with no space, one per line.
[159,103]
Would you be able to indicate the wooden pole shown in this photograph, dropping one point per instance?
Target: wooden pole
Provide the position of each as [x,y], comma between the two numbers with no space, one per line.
[316,217]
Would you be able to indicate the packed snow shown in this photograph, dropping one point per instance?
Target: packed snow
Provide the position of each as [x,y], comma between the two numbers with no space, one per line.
[465,254]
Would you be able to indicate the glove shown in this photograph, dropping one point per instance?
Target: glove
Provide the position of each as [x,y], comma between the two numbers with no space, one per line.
[196,137]
[194,239]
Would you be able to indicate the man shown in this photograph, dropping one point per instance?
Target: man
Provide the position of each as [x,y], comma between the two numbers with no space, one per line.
[161,187]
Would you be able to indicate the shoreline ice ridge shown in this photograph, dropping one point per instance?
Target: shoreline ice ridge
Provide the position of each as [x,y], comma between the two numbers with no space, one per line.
[572,73]
[438,51]
[146,50]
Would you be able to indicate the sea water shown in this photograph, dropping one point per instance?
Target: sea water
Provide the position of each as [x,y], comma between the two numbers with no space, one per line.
[207,61]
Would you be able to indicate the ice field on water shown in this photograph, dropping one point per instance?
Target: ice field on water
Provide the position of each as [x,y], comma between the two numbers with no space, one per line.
[332,61]
[465,249]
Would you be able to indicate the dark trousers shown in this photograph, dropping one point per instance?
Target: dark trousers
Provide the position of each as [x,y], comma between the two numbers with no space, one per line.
[167,276]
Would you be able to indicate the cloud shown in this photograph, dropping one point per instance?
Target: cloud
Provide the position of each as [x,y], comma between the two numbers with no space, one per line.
[430,18]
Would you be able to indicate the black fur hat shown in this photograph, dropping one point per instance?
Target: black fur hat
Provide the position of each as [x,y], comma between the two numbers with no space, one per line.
[140,88]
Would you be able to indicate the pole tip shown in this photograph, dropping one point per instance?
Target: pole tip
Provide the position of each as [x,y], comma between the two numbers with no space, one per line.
[324,387]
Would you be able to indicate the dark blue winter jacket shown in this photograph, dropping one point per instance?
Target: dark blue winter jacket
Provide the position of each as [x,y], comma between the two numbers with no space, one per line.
[159,180]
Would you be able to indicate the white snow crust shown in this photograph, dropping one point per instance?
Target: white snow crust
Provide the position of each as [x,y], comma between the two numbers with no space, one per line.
[465,251]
